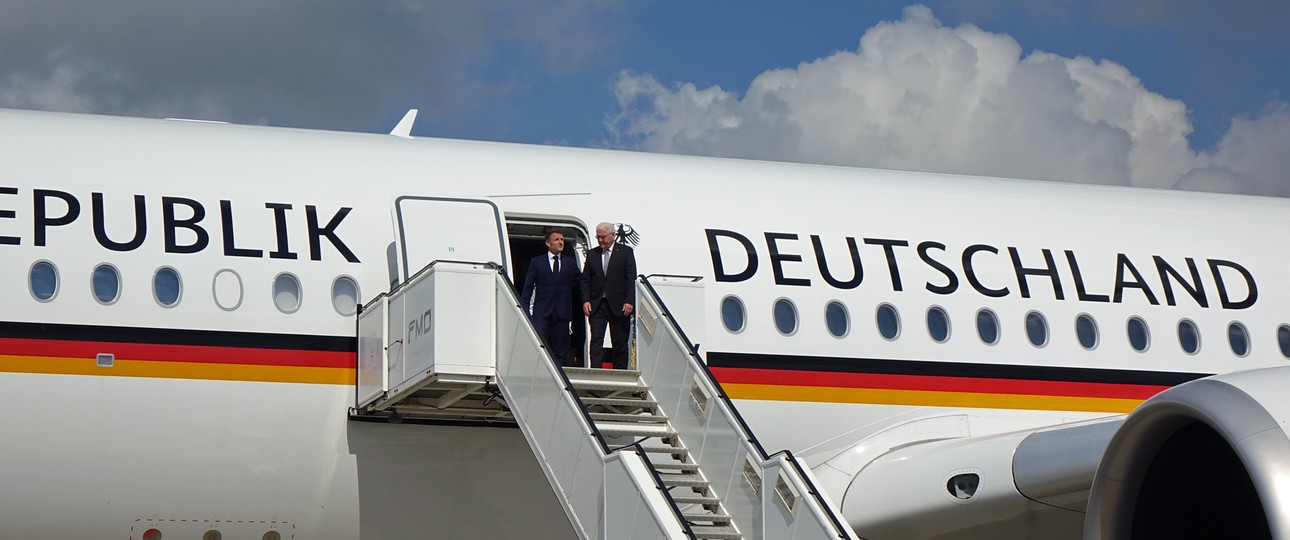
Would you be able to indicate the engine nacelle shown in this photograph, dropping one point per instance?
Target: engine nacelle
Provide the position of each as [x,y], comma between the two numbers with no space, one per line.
[1023,484]
[1206,459]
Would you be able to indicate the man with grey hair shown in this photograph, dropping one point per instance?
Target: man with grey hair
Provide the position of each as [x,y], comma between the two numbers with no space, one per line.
[609,295]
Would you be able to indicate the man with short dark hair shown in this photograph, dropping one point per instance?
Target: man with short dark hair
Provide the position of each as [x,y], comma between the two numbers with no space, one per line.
[609,295]
[549,283]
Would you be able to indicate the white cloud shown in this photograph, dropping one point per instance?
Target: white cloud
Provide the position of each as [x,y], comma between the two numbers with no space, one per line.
[918,95]
[1252,158]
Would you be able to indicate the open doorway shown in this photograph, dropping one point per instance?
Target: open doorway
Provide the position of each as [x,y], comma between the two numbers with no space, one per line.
[527,237]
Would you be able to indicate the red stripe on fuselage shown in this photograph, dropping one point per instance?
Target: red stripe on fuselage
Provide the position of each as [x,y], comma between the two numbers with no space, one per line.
[178,353]
[932,383]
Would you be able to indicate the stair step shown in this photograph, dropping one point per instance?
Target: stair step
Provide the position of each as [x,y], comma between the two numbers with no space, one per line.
[675,480]
[716,533]
[602,374]
[707,517]
[695,499]
[629,418]
[634,385]
[665,449]
[617,429]
[620,402]
[676,467]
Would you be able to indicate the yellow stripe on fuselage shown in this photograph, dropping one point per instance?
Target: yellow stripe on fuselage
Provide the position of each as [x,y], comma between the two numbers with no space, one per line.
[927,398]
[177,370]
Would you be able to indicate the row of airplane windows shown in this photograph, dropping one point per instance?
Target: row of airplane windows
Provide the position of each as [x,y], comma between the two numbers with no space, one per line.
[887,319]
[168,287]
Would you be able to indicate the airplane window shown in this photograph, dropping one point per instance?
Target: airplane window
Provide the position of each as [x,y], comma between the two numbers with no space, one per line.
[1283,339]
[44,281]
[286,292]
[106,283]
[938,324]
[1239,338]
[837,319]
[785,316]
[1036,329]
[888,321]
[227,288]
[344,296]
[166,286]
[987,326]
[1188,336]
[732,314]
[1086,331]
[1139,336]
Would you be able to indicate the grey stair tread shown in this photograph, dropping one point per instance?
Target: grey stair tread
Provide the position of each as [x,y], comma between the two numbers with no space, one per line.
[584,373]
[716,533]
[629,418]
[666,449]
[634,385]
[620,402]
[707,517]
[616,429]
[695,499]
[672,480]
[682,467]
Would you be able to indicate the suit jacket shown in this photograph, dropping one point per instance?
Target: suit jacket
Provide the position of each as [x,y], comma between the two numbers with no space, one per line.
[554,293]
[617,284]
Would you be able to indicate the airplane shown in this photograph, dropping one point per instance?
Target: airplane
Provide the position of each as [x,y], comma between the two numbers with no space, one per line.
[949,356]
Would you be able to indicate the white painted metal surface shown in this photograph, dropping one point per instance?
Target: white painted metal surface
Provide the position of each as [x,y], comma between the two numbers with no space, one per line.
[267,442]
[753,487]
[572,456]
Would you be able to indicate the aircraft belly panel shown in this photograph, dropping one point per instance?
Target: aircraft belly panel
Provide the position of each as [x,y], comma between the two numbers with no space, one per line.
[116,456]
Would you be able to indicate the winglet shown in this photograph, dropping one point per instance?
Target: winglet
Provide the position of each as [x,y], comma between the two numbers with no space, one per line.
[404,128]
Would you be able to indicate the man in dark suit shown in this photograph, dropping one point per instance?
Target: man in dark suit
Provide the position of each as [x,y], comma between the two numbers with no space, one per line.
[609,295]
[552,275]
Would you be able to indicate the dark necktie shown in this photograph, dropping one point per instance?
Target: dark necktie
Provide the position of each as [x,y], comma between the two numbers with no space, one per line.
[555,264]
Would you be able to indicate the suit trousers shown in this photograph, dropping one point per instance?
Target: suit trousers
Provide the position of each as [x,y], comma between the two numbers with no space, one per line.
[555,333]
[619,328]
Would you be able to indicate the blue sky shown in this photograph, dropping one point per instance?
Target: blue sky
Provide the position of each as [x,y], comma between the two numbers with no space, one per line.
[1159,93]
[1222,60]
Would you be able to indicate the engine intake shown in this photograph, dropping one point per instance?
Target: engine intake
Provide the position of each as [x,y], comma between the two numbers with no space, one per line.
[1206,459]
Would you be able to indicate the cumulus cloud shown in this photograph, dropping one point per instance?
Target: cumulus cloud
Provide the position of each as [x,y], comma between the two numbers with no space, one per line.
[918,95]
[328,63]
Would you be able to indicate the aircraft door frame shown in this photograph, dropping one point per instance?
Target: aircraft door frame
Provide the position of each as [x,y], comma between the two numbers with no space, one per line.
[448,218]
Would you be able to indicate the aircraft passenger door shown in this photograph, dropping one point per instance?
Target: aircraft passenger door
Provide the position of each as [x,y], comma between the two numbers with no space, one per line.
[438,228]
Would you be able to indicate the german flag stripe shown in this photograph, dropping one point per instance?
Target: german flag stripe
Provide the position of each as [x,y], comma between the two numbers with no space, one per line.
[935,384]
[917,398]
[203,354]
[176,353]
[55,365]
[932,383]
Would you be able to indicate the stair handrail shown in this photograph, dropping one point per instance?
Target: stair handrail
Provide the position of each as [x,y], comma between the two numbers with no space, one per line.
[658,484]
[564,377]
[693,354]
[582,407]
[745,432]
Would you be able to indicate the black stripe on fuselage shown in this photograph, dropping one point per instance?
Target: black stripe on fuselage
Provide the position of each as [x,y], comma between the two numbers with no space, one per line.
[176,336]
[947,369]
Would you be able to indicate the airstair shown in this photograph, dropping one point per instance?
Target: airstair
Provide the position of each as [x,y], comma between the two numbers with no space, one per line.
[656,452]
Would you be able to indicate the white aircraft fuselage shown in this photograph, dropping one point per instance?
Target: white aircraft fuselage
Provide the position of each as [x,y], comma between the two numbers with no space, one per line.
[227,411]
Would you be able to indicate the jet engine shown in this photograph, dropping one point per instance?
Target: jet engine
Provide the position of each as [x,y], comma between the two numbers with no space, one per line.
[1206,459]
